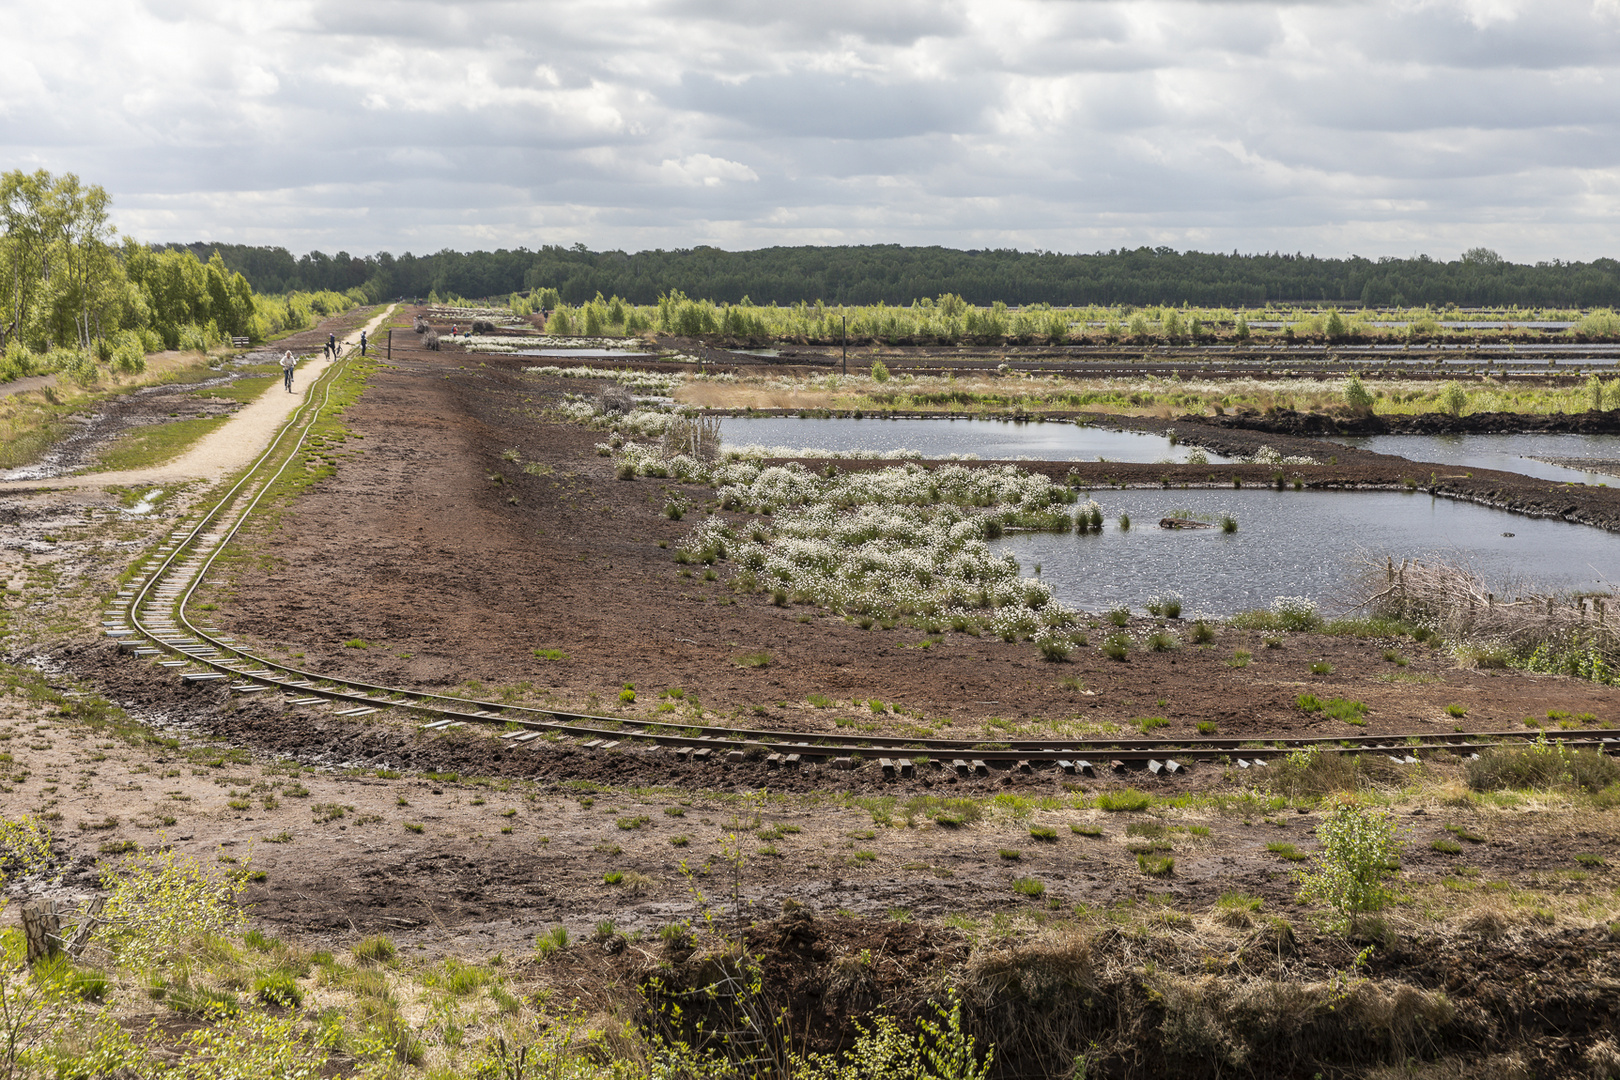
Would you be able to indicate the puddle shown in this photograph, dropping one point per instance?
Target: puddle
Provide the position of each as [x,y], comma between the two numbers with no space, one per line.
[148,501]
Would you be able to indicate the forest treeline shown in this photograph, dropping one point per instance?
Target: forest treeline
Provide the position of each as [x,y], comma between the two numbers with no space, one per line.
[72,294]
[892,274]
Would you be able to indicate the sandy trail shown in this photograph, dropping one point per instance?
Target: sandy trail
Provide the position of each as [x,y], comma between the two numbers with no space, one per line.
[230,447]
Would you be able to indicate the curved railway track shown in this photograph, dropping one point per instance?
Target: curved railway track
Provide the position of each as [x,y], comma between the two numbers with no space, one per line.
[149,619]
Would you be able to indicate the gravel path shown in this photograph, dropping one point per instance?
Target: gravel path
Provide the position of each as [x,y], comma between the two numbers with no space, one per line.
[228,448]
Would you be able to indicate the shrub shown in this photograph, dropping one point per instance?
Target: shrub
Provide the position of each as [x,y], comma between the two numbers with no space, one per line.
[1545,765]
[880,372]
[1202,633]
[430,341]
[163,901]
[1358,846]
[1119,616]
[1356,395]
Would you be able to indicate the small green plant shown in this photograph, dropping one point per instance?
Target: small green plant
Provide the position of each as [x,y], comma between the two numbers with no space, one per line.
[1321,667]
[754,659]
[413,826]
[1117,647]
[1080,829]
[627,696]
[550,654]
[551,941]
[356,643]
[1446,846]
[1030,887]
[1043,832]
[1456,711]
[1159,641]
[1154,865]
[1240,658]
[1149,724]
[1128,801]
[1358,847]
[1119,616]
[278,989]
[1208,727]
[1202,633]
[375,950]
[820,701]
[1285,851]
[613,877]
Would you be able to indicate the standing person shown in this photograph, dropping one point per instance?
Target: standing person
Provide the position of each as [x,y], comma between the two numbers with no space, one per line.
[331,343]
[287,363]
[362,343]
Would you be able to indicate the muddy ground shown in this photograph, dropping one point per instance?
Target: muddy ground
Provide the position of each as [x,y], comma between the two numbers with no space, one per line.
[452,562]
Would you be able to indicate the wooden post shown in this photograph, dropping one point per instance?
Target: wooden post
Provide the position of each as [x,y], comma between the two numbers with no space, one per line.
[390,343]
[42,929]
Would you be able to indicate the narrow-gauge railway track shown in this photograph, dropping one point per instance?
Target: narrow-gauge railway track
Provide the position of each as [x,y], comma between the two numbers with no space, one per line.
[149,619]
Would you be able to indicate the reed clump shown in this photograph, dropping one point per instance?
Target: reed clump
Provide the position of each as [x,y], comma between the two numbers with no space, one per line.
[1571,634]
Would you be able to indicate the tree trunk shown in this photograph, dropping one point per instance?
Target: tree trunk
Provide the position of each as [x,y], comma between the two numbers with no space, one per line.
[42,929]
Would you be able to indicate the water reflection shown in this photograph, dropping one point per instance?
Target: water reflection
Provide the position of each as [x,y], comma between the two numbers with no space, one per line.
[1302,544]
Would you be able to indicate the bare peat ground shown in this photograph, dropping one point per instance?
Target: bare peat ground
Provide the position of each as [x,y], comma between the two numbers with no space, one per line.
[452,563]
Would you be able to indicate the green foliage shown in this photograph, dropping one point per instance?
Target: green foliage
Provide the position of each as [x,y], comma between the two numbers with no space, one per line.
[940,1050]
[1356,396]
[1130,800]
[159,902]
[880,371]
[1348,872]
[1454,399]
[1542,765]
[279,989]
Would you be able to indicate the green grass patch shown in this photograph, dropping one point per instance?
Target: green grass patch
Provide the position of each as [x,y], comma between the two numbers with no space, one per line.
[155,444]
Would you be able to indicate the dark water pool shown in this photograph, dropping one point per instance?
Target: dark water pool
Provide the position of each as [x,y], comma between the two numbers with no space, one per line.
[1302,544]
[990,439]
[1511,453]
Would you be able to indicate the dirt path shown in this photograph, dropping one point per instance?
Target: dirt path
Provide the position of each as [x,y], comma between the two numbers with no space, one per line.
[231,447]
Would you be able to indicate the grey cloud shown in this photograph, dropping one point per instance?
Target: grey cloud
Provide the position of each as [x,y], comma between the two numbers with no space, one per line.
[852,107]
[1065,125]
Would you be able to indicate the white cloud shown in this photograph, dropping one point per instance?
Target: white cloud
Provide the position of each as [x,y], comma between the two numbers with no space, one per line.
[704,169]
[1368,126]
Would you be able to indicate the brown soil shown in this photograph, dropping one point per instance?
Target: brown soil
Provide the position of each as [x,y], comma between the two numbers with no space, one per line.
[452,563]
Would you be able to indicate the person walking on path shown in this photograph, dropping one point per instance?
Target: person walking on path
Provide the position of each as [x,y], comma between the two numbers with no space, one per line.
[362,343]
[331,343]
[287,363]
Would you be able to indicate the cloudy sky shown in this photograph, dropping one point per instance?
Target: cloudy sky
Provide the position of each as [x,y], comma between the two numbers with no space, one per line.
[1065,125]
